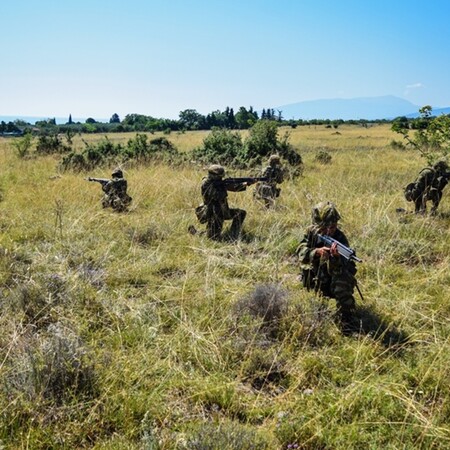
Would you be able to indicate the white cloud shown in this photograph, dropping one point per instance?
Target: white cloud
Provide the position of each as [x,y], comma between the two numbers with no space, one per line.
[415,86]
[412,87]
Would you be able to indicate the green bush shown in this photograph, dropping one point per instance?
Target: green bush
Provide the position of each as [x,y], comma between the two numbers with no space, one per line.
[221,146]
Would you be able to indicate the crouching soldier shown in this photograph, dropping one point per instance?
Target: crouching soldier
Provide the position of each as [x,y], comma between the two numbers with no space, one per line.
[323,269]
[428,187]
[267,191]
[215,209]
[114,191]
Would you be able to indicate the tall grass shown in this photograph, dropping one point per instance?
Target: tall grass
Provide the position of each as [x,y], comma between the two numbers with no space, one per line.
[125,331]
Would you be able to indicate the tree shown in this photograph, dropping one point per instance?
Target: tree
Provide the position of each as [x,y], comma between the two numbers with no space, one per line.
[114,118]
[70,122]
[90,120]
[246,119]
[190,119]
[429,135]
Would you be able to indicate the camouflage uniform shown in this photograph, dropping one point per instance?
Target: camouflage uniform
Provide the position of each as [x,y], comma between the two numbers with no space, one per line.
[428,187]
[215,195]
[268,191]
[115,192]
[334,277]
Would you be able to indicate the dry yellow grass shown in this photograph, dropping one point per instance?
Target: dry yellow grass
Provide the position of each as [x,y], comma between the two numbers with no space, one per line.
[146,309]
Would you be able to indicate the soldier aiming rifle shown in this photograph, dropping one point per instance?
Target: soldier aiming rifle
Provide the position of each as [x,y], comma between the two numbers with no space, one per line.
[114,191]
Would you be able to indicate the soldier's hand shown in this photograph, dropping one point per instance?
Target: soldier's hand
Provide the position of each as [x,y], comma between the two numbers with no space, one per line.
[323,252]
[334,250]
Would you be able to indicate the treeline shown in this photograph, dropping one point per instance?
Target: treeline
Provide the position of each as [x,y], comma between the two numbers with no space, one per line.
[189,120]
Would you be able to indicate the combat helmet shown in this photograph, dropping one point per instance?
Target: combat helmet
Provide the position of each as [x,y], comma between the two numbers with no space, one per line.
[441,165]
[274,159]
[325,214]
[216,169]
[117,173]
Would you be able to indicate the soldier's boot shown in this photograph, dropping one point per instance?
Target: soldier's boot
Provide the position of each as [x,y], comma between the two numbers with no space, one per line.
[346,314]
[434,208]
[236,225]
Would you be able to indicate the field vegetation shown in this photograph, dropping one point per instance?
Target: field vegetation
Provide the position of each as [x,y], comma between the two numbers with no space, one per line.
[124,331]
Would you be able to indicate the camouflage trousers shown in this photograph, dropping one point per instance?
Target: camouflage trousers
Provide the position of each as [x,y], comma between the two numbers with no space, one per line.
[214,225]
[338,285]
[116,202]
[433,195]
[266,193]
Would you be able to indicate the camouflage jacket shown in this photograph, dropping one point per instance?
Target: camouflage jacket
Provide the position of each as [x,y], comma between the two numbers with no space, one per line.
[215,196]
[116,187]
[306,253]
[430,179]
[274,175]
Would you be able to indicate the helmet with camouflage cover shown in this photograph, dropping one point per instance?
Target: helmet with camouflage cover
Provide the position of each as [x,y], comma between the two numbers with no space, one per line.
[216,169]
[274,160]
[325,214]
[441,165]
[117,173]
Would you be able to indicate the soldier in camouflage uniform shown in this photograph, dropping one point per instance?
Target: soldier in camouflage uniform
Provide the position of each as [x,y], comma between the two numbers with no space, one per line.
[323,269]
[115,192]
[428,187]
[215,204]
[267,191]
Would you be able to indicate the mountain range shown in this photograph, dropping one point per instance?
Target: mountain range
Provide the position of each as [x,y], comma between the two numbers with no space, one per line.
[368,108]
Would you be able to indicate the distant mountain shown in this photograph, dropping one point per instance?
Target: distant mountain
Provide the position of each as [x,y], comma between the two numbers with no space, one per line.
[369,108]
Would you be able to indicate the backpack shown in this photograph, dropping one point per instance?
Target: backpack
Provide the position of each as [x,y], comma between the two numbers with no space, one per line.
[201,213]
[410,192]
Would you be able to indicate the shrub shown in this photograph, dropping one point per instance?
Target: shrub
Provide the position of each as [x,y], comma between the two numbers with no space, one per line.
[221,146]
[231,436]
[51,144]
[23,145]
[323,157]
[267,302]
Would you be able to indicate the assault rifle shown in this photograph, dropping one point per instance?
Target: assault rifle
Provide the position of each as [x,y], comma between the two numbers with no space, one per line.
[348,253]
[250,180]
[102,181]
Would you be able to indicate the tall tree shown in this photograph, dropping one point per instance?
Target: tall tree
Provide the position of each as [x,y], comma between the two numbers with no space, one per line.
[114,118]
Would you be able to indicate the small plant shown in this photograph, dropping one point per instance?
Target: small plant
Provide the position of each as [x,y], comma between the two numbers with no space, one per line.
[230,436]
[267,302]
[323,157]
[51,144]
[66,372]
[397,145]
[23,145]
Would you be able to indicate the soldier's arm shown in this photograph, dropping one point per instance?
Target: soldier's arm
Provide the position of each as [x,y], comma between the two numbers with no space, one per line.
[236,187]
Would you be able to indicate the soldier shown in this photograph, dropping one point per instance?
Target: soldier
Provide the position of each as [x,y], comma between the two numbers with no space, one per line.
[215,209]
[115,191]
[428,186]
[323,269]
[267,191]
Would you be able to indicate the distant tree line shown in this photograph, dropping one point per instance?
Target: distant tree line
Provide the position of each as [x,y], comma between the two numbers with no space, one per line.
[188,120]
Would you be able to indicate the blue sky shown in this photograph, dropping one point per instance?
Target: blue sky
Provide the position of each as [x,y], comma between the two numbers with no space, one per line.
[158,57]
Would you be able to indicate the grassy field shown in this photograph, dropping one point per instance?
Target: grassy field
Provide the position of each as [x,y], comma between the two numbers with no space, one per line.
[123,331]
